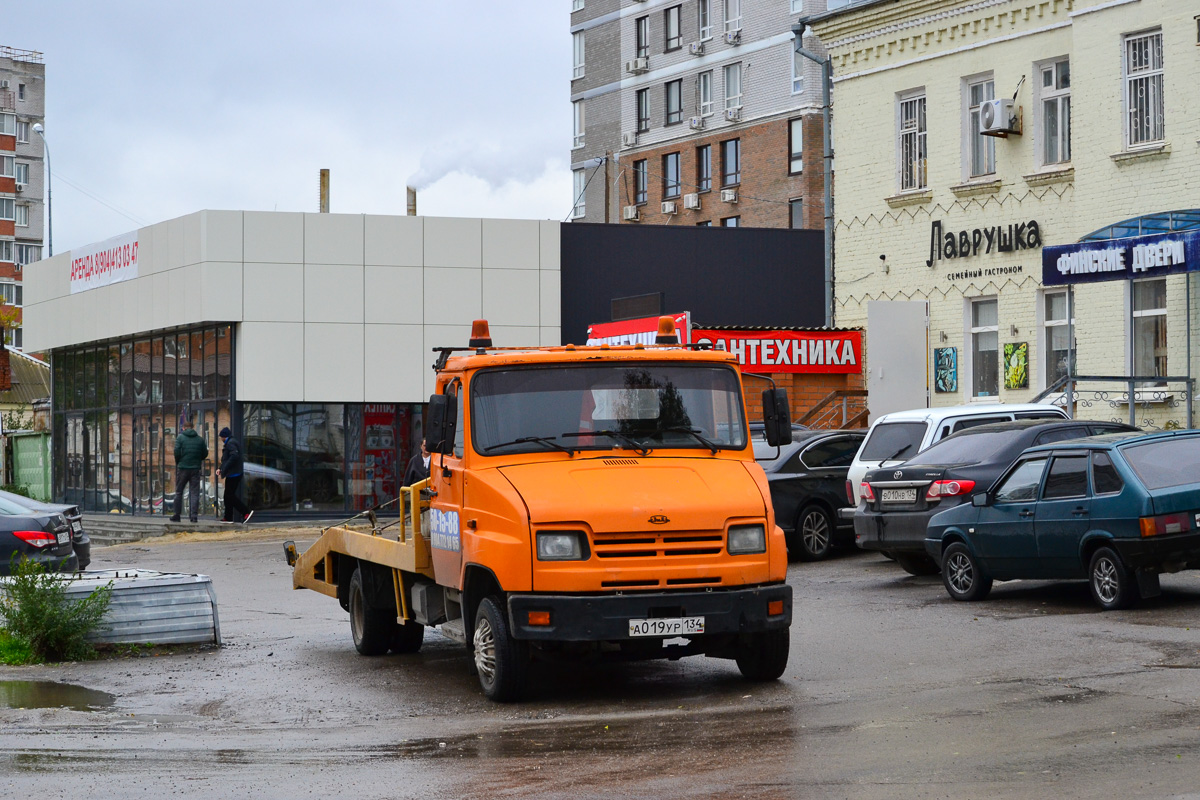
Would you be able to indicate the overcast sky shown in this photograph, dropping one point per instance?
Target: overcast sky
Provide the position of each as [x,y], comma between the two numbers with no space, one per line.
[160,108]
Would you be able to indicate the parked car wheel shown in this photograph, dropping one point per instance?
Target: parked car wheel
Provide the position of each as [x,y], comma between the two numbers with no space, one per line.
[814,534]
[501,660]
[916,564]
[370,627]
[1111,582]
[962,576]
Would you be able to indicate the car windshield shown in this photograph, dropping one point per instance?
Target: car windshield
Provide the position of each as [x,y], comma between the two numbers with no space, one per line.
[602,407]
[1165,463]
[966,448]
[893,440]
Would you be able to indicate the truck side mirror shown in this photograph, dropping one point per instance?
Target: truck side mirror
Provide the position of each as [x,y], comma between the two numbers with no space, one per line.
[777,417]
[980,500]
[443,424]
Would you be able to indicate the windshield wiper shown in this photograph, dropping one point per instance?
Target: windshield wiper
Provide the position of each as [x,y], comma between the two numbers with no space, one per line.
[692,432]
[546,440]
[638,447]
[898,452]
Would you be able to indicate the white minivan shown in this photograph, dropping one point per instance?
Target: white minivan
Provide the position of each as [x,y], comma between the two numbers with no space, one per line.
[900,435]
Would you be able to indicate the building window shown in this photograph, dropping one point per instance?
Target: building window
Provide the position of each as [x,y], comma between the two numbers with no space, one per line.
[6,245]
[706,224]
[796,213]
[20,91]
[731,222]
[731,162]
[578,45]
[28,253]
[670,165]
[577,5]
[17,339]
[985,349]
[1059,331]
[8,167]
[797,6]
[10,293]
[8,124]
[795,146]
[7,211]
[22,215]
[22,174]
[797,73]
[704,88]
[640,182]
[913,159]
[580,184]
[1056,112]
[1150,328]
[1144,88]
[704,15]
[733,86]
[577,141]
[643,110]
[641,33]
[733,15]
[674,28]
[983,148]
[704,168]
[23,132]
[674,95]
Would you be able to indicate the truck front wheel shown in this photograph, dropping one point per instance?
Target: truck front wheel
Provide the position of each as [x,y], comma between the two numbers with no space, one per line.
[370,627]
[501,660]
[763,656]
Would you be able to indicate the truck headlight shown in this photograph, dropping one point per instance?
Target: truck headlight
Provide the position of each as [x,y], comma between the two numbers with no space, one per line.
[747,539]
[561,546]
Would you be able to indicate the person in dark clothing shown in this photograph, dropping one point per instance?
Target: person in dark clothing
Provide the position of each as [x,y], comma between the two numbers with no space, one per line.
[190,452]
[418,467]
[231,471]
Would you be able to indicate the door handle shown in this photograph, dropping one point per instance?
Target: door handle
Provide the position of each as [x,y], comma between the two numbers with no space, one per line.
[1079,512]
[1026,513]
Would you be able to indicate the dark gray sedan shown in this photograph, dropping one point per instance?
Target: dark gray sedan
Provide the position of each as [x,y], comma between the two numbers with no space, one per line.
[80,541]
[41,536]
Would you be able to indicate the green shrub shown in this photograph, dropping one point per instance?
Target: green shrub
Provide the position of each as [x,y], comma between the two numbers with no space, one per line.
[15,489]
[14,651]
[35,610]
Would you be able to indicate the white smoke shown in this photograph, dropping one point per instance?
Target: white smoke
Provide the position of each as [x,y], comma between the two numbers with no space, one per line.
[490,162]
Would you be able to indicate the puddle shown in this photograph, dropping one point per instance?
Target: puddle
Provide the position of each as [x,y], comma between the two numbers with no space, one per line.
[48,694]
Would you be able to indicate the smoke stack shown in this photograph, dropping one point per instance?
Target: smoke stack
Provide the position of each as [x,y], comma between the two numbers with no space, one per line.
[324,191]
[412,201]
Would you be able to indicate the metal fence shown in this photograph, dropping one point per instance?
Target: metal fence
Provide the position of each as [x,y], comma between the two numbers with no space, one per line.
[1148,402]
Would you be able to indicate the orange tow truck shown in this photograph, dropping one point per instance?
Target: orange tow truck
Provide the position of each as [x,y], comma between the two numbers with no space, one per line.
[583,503]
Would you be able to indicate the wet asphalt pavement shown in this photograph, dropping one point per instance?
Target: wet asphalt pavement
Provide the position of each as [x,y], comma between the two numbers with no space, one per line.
[893,690]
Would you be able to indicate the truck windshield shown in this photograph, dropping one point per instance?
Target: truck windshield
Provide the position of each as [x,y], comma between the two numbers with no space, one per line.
[638,407]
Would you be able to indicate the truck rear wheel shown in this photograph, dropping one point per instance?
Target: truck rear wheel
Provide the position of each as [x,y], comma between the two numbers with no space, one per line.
[407,638]
[763,656]
[500,660]
[370,627]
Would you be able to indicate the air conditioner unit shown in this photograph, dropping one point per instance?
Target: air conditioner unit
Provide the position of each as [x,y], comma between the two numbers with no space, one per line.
[629,139]
[692,201]
[733,114]
[733,37]
[637,66]
[20,187]
[629,213]
[3,84]
[696,123]
[996,117]
[669,207]
[729,195]
[697,48]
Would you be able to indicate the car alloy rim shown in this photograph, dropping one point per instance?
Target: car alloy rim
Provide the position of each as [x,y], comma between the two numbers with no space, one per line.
[815,532]
[959,573]
[485,649]
[1105,579]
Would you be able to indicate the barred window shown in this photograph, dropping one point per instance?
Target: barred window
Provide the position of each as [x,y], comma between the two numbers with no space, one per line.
[1144,88]
[912,143]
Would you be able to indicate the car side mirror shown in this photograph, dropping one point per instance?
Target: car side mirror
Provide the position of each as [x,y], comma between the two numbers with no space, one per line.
[777,417]
[980,500]
[443,424]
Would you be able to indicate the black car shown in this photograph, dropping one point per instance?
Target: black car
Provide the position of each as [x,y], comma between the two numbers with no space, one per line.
[897,502]
[41,536]
[808,481]
[81,543]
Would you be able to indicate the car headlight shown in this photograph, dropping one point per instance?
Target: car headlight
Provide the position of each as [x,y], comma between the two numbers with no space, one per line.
[747,539]
[561,546]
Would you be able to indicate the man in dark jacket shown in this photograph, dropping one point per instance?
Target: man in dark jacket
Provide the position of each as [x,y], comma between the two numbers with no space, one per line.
[231,471]
[190,452]
[418,467]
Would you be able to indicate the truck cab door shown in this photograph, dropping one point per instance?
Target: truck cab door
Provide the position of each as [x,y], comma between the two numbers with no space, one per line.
[446,479]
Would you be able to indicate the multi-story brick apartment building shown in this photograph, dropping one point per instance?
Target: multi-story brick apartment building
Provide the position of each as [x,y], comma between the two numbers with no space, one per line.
[696,112]
[1063,246]
[22,177]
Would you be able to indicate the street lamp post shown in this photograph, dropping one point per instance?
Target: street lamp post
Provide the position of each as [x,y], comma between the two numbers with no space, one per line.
[826,82]
[40,131]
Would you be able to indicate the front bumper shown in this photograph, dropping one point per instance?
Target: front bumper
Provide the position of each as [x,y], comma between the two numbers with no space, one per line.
[605,618]
[1181,550]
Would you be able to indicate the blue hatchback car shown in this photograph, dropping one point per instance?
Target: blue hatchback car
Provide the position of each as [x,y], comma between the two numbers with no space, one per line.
[1117,510]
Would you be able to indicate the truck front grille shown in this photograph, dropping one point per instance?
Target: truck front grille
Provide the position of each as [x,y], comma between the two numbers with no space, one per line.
[652,544]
